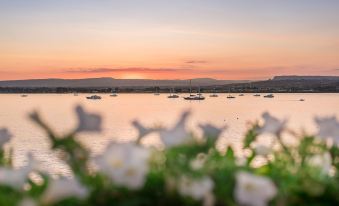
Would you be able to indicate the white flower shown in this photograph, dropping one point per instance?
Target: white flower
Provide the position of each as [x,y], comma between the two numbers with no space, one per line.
[126,164]
[87,122]
[59,189]
[328,128]
[198,162]
[5,136]
[262,150]
[142,131]
[253,190]
[321,161]
[198,189]
[271,125]
[211,131]
[178,134]
[16,178]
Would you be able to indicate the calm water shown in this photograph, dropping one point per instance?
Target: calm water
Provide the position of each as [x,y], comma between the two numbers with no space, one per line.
[119,111]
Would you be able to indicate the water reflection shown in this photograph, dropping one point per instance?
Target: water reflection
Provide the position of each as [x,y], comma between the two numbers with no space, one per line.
[120,111]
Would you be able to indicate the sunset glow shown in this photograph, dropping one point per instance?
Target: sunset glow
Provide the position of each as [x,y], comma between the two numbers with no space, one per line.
[253,39]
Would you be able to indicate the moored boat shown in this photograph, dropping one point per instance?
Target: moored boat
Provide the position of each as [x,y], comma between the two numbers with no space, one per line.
[192,96]
[214,94]
[172,94]
[269,96]
[94,97]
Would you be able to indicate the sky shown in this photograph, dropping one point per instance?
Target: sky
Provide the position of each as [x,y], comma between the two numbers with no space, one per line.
[161,39]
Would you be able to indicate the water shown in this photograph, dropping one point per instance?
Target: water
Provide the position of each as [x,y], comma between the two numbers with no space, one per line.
[118,112]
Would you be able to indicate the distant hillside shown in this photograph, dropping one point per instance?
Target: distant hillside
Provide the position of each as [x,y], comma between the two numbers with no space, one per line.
[300,78]
[289,84]
[110,82]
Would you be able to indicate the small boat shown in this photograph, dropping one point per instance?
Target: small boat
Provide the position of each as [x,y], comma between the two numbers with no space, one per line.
[156,93]
[94,97]
[229,96]
[192,96]
[114,94]
[214,94]
[269,96]
[24,95]
[241,95]
[172,94]
[257,95]
[301,100]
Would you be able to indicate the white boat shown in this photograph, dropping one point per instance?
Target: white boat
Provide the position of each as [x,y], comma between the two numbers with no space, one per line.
[269,96]
[214,94]
[195,97]
[94,97]
[156,93]
[229,96]
[113,94]
[192,96]
[173,95]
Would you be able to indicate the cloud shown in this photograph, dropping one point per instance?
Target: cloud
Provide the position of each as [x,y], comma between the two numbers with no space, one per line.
[195,62]
[145,70]
[130,69]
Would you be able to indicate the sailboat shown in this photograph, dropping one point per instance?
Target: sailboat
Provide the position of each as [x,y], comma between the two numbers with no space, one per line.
[214,94]
[173,95]
[229,96]
[156,92]
[192,96]
[269,96]
[94,97]
[114,94]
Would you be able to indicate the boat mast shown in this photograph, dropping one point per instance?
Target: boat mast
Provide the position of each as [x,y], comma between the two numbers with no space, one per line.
[190,87]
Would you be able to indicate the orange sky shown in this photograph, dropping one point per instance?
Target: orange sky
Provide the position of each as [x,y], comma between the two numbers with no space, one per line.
[161,40]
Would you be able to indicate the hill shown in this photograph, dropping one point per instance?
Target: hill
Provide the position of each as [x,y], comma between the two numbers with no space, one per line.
[111,82]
